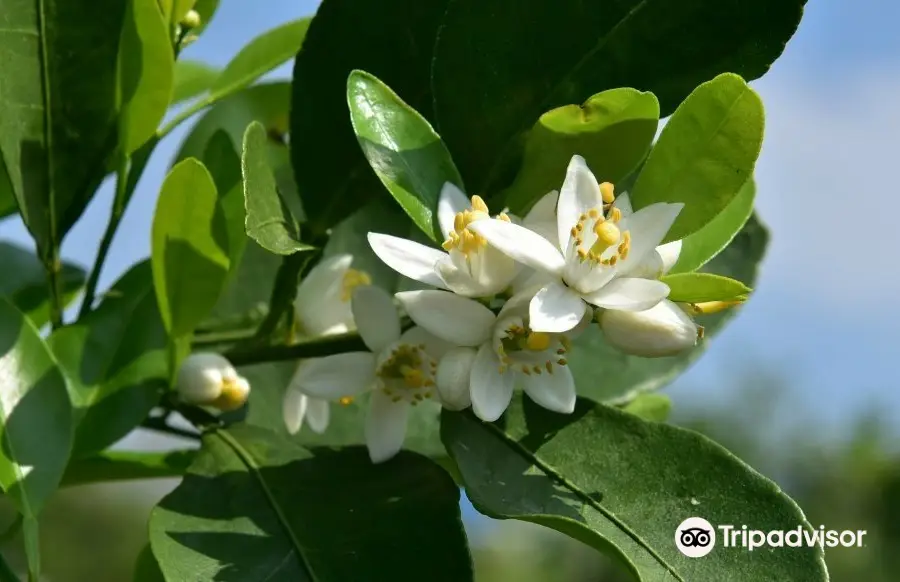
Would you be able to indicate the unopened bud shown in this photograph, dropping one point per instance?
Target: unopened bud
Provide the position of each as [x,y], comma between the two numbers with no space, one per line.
[191,19]
[208,379]
[663,330]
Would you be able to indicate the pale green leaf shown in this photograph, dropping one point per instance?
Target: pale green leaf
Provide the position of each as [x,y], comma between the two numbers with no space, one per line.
[700,287]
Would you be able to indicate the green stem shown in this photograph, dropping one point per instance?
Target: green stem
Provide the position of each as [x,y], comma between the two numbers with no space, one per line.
[54,269]
[222,337]
[185,114]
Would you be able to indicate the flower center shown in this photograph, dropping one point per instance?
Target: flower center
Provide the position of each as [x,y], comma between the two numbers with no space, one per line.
[407,373]
[353,279]
[597,238]
[463,239]
[528,351]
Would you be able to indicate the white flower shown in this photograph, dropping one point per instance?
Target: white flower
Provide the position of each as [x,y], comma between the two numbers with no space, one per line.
[398,369]
[495,353]
[208,379]
[663,330]
[596,256]
[321,308]
[469,267]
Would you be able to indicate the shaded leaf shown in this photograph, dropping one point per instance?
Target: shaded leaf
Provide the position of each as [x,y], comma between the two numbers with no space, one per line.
[499,65]
[224,165]
[408,156]
[115,361]
[7,197]
[705,154]
[192,78]
[146,569]
[612,131]
[391,39]
[623,486]
[700,287]
[24,282]
[238,514]
[126,466]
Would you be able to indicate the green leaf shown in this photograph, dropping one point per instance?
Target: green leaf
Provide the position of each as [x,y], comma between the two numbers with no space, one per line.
[192,78]
[115,361]
[145,73]
[146,569]
[239,515]
[7,196]
[206,9]
[224,165]
[179,9]
[189,248]
[391,39]
[499,65]
[612,131]
[623,486]
[604,374]
[705,154]
[24,282]
[127,466]
[35,415]
[408,156]
[57,107]
[700,287]
[269,221]
[653,407]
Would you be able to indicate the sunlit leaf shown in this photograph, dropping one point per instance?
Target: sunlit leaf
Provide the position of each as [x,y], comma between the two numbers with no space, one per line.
[700,287]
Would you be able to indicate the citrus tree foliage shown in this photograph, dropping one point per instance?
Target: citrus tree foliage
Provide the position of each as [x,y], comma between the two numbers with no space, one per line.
[454,252]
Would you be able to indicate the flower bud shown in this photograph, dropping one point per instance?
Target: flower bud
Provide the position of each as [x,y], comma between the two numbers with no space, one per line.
[208,379]
[191,19]
[452,378]
[663,330]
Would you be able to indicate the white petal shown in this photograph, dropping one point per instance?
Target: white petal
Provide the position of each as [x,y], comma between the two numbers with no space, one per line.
[554,391]
[318,414]
[451,202]
[650,267]
[555,308]
[385,426]
[318,304]
[453,374]
[434,346]
[322,278]
[408,258]
[542,217]
[376,317]
[663,330]
[293,409]
[648,227]
[523,245]
[580,192]
[460,321]
[457,280]
[623,203]
[669,254]
[491,391]
[201,375]
[629,294]
[335,376]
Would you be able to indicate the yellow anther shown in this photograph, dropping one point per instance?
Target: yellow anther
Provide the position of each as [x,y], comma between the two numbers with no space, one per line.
[594,213]
[608,192]
[561,351]
[503,217]
[412,377]
[459,222]
[527,370]
[549,366]
[710,307]
[537,370]
[478,203]
[562,362]
[615,215]
[537,341]
[574,232]
[700,332]
[353,279]
[346,400]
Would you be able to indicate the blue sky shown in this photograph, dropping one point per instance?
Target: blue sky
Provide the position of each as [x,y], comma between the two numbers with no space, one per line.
[825,312]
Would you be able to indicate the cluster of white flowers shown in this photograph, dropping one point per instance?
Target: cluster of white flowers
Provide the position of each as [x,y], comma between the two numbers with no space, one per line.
[580,255]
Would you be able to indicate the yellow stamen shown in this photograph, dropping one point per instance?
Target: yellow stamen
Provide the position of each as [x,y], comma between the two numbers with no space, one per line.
[353,279]
[607,235]
[346,400]
[478,203]
[615,215]
[710,307]
[537,341]
[607,191]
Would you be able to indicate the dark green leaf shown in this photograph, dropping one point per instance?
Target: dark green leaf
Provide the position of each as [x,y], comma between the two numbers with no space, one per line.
[189,247]
[698,248]
[57,107]
[239,515]
[224,165]
[623,486]
[604,374]
[35,414]
[115,361]
[7,197]
[269,222]
[24,282]
[612,131]
[499,65]
[705,154]
[403,149]
[145,74]
[700,287]
[654,407]
[146,569]
[127,466]
[192,78]
[391,39]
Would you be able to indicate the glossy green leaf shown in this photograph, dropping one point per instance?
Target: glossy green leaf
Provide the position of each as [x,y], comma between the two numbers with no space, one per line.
[192,78]
[705,154]
[189,247]
[605,374]
[391,39]
[145,73]
[701,246]
[206,9]
[612,131]
[269,221]
[24,282]
[57,107]
[623,486]
[224,165]
[127,466]
[700,287]
[35,415]
[654,407]
[408,156]
[240,515]
[499,65]
[115,361]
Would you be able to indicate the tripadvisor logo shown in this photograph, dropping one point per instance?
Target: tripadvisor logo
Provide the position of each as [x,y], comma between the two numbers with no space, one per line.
[696,537]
